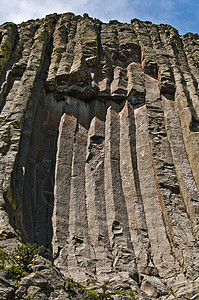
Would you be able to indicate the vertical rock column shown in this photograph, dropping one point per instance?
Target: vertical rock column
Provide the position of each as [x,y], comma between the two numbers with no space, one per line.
[116,210]
[131,188]
[161,251]
[71,241]
[18,111]
[177,224]
[95,199]
[186,98]
[80,253]
[188,188]
[60,218]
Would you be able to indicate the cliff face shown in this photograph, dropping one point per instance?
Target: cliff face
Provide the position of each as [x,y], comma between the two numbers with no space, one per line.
[99,153]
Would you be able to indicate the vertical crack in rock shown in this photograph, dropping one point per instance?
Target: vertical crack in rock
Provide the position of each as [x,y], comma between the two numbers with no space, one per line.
[179,234]
[95,198]
[182,98]
[189,191]
[131,188]
[80,251]
[162,257]
[63,177]
[18,117]
[118,227]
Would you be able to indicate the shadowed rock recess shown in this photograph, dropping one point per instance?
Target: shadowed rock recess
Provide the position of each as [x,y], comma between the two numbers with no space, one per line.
[99,157]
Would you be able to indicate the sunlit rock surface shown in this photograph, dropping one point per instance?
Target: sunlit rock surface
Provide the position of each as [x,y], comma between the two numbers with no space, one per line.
[99,156]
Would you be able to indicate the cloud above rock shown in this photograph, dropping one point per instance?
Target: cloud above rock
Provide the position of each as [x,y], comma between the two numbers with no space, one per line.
[182,14]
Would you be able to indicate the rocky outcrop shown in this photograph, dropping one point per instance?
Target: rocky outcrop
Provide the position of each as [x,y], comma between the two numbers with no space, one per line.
[99,158]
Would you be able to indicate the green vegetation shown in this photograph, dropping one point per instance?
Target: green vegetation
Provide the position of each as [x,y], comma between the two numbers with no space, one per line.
[93,294]
[6,139]
[105,286]
[7,24]
[90,281]
[124,292]
[18,262]
[71,285]
[7,45]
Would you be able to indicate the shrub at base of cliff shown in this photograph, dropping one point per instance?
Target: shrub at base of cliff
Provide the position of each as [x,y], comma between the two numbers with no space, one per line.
[75,289]
[94,295]
[18,262]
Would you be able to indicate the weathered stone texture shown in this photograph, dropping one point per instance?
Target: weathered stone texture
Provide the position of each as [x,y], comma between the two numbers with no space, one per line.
[99,156]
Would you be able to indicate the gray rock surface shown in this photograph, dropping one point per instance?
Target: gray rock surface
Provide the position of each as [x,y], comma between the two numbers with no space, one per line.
[99,158]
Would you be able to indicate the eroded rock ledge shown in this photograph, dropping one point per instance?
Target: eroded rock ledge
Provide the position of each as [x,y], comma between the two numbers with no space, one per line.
[99,155]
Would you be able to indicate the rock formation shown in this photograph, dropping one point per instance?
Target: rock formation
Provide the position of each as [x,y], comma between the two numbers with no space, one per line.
[99,157]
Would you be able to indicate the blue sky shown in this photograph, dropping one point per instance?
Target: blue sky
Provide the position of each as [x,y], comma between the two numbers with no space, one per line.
[181,14]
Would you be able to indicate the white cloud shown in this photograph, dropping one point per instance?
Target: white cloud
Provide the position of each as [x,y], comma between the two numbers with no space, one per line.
[162,11]
[18,11]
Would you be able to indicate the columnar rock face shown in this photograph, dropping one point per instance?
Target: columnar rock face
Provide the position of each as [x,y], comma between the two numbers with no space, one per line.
[99,152]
